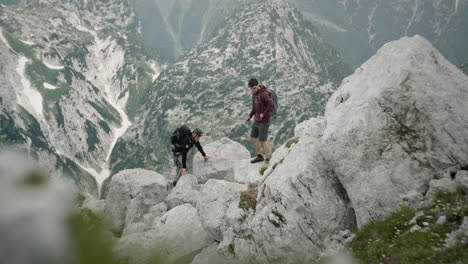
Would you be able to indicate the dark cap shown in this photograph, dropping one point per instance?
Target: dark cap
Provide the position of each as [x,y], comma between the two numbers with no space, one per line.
[198,132]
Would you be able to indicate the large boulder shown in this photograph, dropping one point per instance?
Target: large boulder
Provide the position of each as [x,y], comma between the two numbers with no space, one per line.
[300,204]
[178,234]
[154,212]
[187,190]
[131,195]
[397,123]
[215,198]
[230,161]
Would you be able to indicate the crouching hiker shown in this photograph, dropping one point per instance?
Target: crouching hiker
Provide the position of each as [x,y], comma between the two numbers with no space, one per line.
[182,141]
[262,106]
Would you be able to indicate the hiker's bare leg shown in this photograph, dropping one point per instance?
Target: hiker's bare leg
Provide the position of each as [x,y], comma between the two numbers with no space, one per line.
[256,145]
[266,148]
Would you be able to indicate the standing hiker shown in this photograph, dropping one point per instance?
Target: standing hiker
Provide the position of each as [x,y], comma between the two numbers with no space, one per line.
[182,141]
[262,106]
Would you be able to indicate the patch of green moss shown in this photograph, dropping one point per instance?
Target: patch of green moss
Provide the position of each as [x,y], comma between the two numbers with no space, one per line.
[248,237]
[262,170]
[248,199]
[291,142]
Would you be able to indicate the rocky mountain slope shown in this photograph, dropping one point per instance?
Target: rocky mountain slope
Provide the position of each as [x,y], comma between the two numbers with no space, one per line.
[73,76]
[393,134]
[207,88]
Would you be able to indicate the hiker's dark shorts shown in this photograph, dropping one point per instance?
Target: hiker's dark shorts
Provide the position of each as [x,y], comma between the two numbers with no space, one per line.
[260,131]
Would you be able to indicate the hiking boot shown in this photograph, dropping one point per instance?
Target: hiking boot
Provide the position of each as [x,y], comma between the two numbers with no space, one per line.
[259,158]
[267,162]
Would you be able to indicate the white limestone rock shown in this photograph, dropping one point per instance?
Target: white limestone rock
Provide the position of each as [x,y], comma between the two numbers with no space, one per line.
[187,190]
[215,199]
[177,234]
[230,162]
[132,193]
[442,185]
[394,124]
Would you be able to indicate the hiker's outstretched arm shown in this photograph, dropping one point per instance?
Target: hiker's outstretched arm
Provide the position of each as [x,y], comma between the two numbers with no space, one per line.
[199,147]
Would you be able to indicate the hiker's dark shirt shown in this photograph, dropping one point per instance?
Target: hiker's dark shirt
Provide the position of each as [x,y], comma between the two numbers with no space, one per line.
[262,104]
[187,143]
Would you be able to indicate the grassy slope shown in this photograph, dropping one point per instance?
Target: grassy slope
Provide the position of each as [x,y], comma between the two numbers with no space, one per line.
[391,241]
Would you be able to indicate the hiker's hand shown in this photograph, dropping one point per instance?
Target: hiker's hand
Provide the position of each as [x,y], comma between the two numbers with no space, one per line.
[184,171]
[207,158]
[248,119]
[261,116]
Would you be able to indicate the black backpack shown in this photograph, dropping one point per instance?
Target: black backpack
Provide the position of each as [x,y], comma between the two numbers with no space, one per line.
[178,134]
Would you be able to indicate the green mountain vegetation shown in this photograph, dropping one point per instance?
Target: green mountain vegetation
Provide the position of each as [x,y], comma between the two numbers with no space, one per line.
[415,236]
